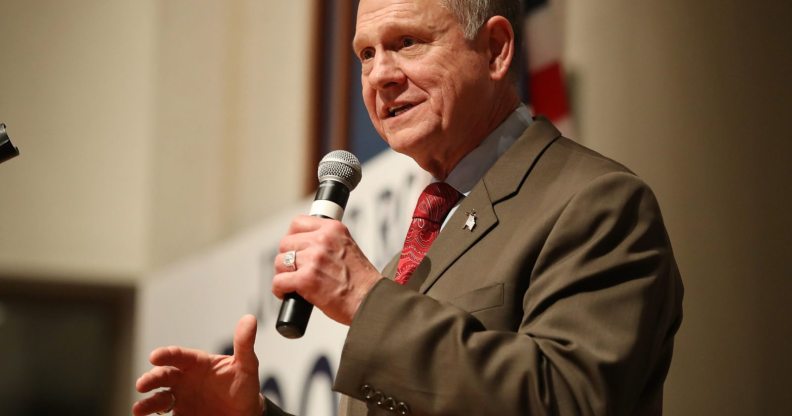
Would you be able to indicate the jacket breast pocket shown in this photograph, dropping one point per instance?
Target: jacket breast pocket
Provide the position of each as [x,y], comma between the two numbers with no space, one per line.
[480,299]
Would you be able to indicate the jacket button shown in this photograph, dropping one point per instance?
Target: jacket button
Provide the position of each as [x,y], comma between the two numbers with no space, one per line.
[367,391]
[389,403]
[403,409]
[377,397]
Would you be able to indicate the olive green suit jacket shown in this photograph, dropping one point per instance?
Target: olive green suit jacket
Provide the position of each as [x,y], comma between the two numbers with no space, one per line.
[563,300]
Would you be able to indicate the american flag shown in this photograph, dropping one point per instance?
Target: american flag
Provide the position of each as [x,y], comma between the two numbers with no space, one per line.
[543,42]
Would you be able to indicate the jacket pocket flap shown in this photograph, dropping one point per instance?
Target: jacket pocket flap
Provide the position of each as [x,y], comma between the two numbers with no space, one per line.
[480,299]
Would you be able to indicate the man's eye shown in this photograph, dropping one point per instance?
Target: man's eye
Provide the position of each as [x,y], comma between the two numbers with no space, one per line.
[366,54]
[407,42]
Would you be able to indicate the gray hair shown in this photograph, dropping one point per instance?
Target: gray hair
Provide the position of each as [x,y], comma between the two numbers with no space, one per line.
[472,14]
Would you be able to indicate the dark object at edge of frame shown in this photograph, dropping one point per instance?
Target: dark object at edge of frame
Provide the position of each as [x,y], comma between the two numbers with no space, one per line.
[7,149]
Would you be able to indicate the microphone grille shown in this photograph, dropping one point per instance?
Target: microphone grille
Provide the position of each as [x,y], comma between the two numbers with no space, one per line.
[340,166]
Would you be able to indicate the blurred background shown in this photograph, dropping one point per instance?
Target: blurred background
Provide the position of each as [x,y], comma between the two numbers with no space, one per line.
[152,130]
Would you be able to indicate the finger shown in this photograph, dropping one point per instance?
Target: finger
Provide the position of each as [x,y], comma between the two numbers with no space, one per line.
[158,377]
[306,223]
[181,358]
[294,242]
[283,283]
[160,401]
[244,341]
[280,267]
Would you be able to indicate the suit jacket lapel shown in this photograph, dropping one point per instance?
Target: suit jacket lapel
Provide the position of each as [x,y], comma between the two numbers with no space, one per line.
[500,182]
[509,172]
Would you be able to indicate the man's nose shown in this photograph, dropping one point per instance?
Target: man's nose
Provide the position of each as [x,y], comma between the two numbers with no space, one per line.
[386,72]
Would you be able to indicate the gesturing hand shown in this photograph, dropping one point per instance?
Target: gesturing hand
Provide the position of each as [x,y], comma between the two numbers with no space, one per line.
[203,383]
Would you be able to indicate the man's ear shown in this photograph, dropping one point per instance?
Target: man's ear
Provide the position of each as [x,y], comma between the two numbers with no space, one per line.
[501,46]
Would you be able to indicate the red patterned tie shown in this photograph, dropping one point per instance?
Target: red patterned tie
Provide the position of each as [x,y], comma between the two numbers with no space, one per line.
[433,205]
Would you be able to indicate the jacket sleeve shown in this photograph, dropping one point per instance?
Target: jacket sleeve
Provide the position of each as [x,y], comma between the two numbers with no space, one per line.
[596,333]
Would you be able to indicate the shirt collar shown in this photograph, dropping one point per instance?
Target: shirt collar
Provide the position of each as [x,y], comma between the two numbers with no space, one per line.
[475,164]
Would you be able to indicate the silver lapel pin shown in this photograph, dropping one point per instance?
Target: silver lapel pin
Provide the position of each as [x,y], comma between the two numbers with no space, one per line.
[470,224]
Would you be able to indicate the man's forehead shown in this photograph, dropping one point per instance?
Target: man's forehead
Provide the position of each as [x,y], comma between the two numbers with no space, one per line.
[376,15]
[372,11]
[366,6]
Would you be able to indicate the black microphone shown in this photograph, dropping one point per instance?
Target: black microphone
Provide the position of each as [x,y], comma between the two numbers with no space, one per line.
[339,173]
[7,149]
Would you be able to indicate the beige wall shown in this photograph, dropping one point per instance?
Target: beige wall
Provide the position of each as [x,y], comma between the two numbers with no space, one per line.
[692,95]
[76,92]
[148,129]
[231,122]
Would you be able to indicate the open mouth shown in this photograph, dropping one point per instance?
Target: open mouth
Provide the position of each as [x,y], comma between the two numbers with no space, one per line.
[398,110]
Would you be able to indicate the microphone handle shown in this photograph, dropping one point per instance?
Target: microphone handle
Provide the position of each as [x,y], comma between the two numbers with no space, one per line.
[293,316]
[329,202]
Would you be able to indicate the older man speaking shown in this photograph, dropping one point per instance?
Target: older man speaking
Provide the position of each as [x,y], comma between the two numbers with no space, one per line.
[536,278]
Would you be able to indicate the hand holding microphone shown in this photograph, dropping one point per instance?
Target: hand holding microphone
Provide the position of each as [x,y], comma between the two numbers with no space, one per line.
[319,262]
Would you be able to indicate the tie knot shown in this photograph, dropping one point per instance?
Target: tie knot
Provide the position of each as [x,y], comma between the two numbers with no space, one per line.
[436,201]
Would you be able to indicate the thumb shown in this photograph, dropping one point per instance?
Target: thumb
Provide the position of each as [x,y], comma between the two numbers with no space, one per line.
[244,340]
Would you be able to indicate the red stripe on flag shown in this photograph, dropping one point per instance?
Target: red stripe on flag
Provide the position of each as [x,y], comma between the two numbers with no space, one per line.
[548,92]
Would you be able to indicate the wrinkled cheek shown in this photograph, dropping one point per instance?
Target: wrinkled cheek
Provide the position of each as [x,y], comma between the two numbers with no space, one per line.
[371,110]
[377,123]
[369,101]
